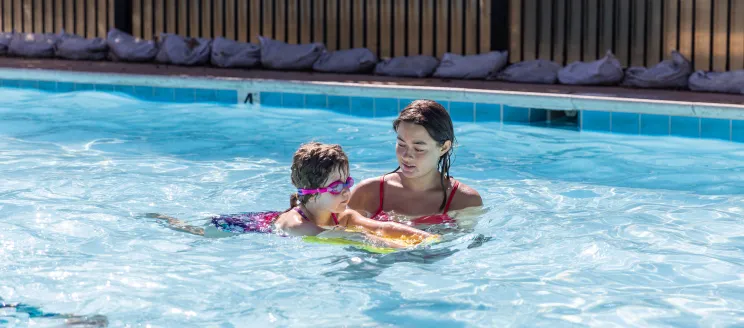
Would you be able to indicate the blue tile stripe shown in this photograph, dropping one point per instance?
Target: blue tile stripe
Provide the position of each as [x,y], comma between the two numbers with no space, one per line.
[149,93]
[460,111]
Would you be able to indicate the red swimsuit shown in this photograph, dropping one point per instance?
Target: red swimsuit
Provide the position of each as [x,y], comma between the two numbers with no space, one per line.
[429,219]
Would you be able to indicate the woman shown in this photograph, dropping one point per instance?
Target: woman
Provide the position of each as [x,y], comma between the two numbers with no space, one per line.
[421,187]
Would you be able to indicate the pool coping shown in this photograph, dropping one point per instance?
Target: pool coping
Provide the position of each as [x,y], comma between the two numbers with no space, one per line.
[549,97]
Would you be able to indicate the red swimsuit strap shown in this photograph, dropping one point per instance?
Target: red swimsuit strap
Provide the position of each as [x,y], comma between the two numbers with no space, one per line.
[382,196]
[446,207]
[452,195]
[302,214]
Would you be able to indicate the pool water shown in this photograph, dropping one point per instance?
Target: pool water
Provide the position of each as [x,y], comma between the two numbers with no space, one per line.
[580,229]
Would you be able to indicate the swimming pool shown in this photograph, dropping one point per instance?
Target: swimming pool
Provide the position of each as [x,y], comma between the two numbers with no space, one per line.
[581,229]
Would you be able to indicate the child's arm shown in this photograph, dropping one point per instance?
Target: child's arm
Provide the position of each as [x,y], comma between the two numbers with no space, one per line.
[351,219]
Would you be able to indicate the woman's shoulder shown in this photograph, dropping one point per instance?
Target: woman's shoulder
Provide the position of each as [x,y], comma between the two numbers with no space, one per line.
[365,189]
[465,197]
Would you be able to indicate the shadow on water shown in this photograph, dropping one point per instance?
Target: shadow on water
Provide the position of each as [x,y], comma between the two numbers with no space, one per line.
[372,265]
[21,310]
[390,304]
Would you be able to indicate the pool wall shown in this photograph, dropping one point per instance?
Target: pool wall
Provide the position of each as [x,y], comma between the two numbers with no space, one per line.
[594,113]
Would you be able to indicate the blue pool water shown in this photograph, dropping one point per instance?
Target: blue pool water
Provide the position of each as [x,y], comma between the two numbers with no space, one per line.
[580,229]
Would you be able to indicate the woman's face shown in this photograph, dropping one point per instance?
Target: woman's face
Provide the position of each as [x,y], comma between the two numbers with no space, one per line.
[329,201]
[417,152]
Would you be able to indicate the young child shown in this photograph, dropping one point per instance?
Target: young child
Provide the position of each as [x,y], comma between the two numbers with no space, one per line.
[321,174]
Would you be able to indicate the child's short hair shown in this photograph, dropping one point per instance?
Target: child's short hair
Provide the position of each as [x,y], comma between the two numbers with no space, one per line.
[312,163]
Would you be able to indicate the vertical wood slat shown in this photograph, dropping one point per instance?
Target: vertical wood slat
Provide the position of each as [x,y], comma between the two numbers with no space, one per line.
[305,22]
[358,23]
[702,35]
[529,33]
[574,31]
[90,18]
[344,26]
[720,26]
[48,13]
[385,22]
[59,18]
[427,28]
[110,5]
[559,27]
[606,23]
[102,21]
[736,43]
[230,27]
[622,31]
[254,15]
[456,41]
[685,29]
[27,16]
[206,16]
[515,31]
[655,38]
[330,23]
[147,16]
[319,20]
[136,18]
[591,30]
[243,25]
[8,16]
[670,26]
[268,15]
[546,38]
[218,20]
[292,21]
[372,22]
[279,21]
[194,27]
[159,27]
[399,22]
[485,25]
[441,32]
[471,26]
[638,33]
[171,20]
[183,18]
[17,15]
[38,17]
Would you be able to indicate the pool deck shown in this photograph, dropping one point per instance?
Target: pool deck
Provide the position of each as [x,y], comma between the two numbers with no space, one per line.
[362,80]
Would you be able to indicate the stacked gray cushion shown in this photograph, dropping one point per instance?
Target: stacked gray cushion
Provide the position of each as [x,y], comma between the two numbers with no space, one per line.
[412,66]
[5,39]
[724,82]
[124,47]
[539,71]
[178,50]
[358,60]
[33,45]
[229,53]
[280,55]
[606,71]
[71,46]
[672,73]
[454,66]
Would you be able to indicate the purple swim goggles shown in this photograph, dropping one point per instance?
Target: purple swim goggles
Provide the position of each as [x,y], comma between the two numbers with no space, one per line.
[334,188]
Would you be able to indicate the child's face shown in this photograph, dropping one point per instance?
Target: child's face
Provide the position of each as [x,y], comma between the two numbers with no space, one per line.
[329,201]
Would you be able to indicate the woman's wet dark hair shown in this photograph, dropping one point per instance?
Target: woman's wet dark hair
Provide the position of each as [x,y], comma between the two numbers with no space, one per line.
[437,122]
